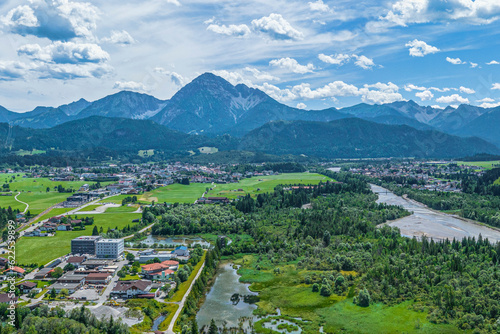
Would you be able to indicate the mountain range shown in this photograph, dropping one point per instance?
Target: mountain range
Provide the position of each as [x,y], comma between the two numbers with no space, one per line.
[210,106]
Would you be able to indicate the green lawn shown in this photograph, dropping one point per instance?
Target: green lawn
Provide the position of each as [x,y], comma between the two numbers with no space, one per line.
[177,297]
[262,184]
[41,250]
[497,182]
[176,193]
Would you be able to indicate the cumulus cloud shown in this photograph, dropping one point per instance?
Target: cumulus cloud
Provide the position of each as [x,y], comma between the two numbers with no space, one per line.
[337,59]
[376,93]
[488,103]
[425,95]
[405,12]
[467,90]
[411,87]
[301,105]
[486,99]
[11,70]
[72,71]
[319,6]
[493,62]
[120,38]
[129,85]
[420,48]
[473,65]
[495,86]
[292,65]
[176,78]
[452,99]
[276,27]
[174,2]
[454,61]
[53,19]
[241,30]
[363,62]
[65,53]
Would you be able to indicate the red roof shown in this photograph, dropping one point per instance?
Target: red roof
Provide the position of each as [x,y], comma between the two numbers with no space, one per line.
[154,267]
[170,263]
[17,270]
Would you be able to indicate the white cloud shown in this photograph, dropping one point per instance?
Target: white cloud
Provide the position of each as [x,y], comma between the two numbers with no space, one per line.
[405,12]
[176,78]
[65,53]
[436,107]
[11,70]
[241,30]
[174,2]
[119,37]
[276,27]
[495,86]
[336,88]
[130,85]
[319,5]
[363,62]
[467,90]
[486,99]
[233,77]
[410,87]
[493,62]
[53,19]
[72,71]
[426,95]
[473,65]
[337,59]
[454,61]
[292,65]
[261,76]
[420,48]
[452,99]
[301,105]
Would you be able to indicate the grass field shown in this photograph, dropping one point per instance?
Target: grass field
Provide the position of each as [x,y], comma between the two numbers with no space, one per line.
[208,150]
[484,164]
[497,182]
[33,152]
[34,192]
[263,184]
[41,250]
[176,193]
[146,153]
[177,297]
[337,314]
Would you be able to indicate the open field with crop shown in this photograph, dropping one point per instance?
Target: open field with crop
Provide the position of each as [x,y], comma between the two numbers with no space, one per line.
[176,193]
[483,164]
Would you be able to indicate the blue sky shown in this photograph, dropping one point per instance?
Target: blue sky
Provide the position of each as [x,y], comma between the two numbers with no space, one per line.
[315,54]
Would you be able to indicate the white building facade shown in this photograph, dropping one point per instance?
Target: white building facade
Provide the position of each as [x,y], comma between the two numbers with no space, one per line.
[109,248]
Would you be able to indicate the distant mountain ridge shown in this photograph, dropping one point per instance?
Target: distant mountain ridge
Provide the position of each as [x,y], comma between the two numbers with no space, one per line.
[212,106]
[343,138]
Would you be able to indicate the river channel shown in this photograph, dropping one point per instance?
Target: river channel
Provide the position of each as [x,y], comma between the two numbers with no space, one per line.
[430,223]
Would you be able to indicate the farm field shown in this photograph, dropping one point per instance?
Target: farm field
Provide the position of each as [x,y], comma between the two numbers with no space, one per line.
[263,184]
[176,193]
[41,250]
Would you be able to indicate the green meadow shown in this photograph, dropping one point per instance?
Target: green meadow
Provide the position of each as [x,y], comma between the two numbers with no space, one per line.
[483,164]
[176,193]
[41,250]
[262,184]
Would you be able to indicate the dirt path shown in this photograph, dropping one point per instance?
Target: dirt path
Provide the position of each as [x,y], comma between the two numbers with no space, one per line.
[27,205]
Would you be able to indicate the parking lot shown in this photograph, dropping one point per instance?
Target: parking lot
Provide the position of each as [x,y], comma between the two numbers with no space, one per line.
[89,294]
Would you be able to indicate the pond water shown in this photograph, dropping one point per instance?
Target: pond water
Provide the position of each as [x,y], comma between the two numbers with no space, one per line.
[225,302]
[176,241]
[157,322]
[426,222]
[287,327]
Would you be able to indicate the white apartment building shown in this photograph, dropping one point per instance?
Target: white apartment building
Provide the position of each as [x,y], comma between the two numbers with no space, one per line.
[109,248]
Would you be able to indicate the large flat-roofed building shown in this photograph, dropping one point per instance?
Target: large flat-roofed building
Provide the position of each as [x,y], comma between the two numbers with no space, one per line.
[84,245]
[109,248]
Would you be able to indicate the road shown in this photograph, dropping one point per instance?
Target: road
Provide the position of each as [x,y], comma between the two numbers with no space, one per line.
[203,195]
[170,329]
[105,295]
[141,231]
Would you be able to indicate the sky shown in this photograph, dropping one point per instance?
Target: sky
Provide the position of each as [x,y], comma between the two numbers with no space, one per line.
[310,55]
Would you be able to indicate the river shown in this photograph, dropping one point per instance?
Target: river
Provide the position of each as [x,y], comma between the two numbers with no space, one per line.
[433,224]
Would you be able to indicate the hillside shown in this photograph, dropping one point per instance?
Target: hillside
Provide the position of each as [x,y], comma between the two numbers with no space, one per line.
[352,137]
